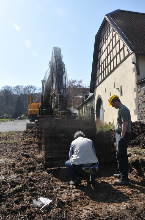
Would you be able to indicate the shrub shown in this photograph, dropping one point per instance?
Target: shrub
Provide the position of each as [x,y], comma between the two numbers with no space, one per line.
[102,126]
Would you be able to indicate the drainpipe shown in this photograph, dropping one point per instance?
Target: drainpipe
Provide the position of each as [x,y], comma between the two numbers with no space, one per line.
[135,61]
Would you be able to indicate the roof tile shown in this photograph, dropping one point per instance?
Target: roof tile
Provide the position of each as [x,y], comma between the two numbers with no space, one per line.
[132,24]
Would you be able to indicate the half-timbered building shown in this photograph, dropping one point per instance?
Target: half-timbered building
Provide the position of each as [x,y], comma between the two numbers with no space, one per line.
[119,65]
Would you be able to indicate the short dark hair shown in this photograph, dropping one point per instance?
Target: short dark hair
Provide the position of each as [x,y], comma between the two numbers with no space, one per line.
[115,99]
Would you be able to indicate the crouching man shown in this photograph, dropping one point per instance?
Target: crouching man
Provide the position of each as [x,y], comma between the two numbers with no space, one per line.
[82,153]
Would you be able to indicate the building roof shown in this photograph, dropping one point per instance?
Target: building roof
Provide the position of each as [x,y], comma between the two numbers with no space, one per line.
[130,26]
[91,96]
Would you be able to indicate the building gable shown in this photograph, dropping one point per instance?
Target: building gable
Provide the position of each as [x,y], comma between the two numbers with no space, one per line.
[120,34]
[131,26]
[112,51]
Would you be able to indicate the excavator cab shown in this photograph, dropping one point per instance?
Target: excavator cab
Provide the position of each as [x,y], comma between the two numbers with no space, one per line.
[33,110]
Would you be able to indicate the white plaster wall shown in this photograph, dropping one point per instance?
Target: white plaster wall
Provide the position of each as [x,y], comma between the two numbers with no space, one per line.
[125,76]
[141,67]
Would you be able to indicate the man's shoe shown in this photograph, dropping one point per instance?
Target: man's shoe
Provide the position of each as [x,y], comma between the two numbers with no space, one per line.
[75,182]
[117,176]
[121,182]
[72,182]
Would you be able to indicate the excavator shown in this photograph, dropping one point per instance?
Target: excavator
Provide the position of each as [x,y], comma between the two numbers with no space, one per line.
[56,125]
[33,110]
[54,96]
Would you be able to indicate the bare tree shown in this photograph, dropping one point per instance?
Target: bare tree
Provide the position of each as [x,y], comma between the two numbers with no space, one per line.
[76,92]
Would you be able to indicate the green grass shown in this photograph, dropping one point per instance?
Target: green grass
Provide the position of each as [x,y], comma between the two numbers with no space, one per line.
[5,120]
[6,134]
[104,126]
[5,138]
[8,141]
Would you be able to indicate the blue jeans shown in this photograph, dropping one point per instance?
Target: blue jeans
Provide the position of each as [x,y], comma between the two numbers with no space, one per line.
[122,157]
[74,170]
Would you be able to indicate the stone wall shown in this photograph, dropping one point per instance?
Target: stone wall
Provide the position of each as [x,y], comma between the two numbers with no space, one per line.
[141,101]
[55,136]
[105,147]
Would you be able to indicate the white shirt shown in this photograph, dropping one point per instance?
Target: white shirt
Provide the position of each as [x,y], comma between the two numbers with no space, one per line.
[83,152]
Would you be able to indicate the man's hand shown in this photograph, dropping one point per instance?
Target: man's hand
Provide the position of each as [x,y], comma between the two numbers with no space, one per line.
[124,129]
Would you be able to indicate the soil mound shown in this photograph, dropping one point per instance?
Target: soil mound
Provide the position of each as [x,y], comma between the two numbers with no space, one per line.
[24,179]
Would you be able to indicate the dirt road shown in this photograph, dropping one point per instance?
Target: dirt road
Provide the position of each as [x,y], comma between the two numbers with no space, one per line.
[16,125]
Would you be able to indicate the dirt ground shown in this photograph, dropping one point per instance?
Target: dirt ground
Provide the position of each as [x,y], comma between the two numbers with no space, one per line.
[24,179]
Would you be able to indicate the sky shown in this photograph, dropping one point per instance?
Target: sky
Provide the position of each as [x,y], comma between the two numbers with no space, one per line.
[31,28]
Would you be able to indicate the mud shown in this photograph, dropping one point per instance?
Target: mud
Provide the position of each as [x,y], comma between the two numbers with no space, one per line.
[138,134]
[24,178]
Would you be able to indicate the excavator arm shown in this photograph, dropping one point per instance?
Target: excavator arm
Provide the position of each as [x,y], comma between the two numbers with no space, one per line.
[54,97]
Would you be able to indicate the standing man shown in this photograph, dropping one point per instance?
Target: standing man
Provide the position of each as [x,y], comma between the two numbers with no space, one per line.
[123,131]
